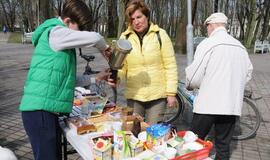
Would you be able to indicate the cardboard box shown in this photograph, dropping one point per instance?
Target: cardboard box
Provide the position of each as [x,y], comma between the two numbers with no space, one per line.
[129,121]
[99,118]
[81,125]
[103,154]
[136,150]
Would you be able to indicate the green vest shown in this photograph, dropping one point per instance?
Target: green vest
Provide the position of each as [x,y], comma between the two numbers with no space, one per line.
[51,79]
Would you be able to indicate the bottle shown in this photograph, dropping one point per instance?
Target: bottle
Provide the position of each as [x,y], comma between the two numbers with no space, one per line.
[85,108]
[93,86]
[136,129]
[189,95]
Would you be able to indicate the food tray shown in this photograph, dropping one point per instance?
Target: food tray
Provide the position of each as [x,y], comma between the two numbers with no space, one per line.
[196,155]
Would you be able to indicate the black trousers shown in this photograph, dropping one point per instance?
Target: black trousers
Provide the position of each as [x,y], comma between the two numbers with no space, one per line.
[223,129]
[44,133]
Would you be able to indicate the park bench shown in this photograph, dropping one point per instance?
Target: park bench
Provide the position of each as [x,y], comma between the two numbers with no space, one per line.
[261,46]
[27,37]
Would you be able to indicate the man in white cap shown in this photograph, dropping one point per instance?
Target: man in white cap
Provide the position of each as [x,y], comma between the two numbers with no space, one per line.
[220,70]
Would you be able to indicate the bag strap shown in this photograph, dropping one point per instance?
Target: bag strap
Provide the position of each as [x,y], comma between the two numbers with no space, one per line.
[159,39]
[158,36]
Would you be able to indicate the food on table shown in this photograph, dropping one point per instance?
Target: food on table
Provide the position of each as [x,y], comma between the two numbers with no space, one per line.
[77,102]
[81,125]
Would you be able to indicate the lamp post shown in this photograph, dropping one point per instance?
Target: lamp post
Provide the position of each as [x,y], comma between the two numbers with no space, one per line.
[189,34]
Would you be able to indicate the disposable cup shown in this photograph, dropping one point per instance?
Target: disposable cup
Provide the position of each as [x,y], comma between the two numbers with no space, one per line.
[117,126]
[170,152]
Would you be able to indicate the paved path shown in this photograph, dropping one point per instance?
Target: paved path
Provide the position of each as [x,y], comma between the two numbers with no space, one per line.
[14,61]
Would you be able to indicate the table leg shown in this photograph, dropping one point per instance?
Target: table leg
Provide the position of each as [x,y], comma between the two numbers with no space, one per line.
[65,147]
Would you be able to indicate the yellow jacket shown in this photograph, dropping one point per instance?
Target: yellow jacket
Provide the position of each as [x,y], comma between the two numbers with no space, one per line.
[150,72]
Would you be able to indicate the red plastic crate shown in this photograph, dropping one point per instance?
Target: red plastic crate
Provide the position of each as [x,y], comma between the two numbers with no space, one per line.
[196,155]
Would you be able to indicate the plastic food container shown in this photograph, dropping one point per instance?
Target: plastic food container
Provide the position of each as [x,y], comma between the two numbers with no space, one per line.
[196,155]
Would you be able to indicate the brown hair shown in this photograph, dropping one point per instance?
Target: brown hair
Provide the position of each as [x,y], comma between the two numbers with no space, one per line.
[134,5]
[78,12]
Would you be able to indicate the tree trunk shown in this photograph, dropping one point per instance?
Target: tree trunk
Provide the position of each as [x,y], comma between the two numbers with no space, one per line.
[216,6]
[180,42]
[256,30]
[121,24]
[59,7]
[112,18]
[194,10]
[226,7]
[44,10]
[233,9]
[251,24]
[95,7]
[241,18]
[5,13]
[266,26]
[9,10]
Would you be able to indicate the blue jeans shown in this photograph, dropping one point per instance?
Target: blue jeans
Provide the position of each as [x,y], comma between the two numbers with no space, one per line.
[44,133]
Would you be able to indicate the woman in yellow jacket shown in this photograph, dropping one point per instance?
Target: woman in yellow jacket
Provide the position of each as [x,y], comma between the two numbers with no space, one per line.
[150,69]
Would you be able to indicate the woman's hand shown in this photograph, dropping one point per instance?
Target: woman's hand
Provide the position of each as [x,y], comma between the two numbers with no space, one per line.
[111,82]
[103,75]
[107,53]
[171,101]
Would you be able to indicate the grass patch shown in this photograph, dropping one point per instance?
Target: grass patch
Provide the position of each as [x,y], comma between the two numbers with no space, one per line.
[15,37]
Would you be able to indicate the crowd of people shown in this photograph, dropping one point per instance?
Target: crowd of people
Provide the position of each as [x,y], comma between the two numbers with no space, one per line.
[220,69]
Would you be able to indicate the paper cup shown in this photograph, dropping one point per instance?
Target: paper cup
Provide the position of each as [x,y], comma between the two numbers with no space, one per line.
[142,136]
[117,126]
[170,152]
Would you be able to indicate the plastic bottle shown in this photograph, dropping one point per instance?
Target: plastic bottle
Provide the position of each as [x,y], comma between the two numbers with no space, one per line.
[93,86]
[85,108]
[189,95]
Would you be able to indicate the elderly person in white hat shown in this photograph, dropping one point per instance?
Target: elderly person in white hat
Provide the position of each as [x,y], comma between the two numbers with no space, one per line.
[220,70]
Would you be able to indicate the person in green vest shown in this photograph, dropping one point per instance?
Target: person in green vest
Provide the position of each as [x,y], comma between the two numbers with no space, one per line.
[50,83]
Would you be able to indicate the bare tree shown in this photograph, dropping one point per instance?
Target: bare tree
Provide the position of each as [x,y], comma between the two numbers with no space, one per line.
[266,22]
[45,10]
[27,15]
[241,16]
[251,20]
[194,9]
[112,18]
[172,19]
[9,10]
[95,6]
[248,19]
[231,21]
[216,6]
[121,16]
[58,6]
[203,10]
[180,41]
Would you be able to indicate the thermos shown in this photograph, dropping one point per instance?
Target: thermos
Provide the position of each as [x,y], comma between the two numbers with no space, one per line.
[121,48]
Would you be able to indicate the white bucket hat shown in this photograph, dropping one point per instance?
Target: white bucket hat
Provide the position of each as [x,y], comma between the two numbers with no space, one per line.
[216,18]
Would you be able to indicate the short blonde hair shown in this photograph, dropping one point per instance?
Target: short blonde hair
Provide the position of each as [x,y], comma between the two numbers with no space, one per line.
[134,5]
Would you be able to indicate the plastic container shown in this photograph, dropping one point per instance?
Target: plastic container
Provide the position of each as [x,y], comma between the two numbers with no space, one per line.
[196,155]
